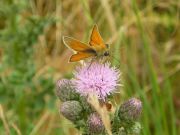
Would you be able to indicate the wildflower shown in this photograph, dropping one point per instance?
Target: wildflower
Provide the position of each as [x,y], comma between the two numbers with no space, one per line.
[65,90]
[96,78]
[95,124]
[71,110]
[130,110]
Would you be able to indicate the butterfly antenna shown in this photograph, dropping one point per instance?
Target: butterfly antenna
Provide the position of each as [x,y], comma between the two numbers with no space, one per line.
[115,59]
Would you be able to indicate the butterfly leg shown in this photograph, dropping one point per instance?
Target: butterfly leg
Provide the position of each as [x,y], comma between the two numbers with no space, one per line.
[92,60]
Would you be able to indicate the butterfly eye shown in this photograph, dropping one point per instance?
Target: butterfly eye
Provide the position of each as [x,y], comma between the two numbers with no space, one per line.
[106,54]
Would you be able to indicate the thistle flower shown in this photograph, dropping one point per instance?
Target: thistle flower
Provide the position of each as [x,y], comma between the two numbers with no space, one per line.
[71,110]
[130,110]
[96,78]
[65,90]
[95,124]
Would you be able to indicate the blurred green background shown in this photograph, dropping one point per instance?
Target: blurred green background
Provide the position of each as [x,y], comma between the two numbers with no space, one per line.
[144,36]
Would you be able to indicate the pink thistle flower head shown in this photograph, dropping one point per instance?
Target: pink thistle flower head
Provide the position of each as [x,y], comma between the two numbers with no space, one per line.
[96,78]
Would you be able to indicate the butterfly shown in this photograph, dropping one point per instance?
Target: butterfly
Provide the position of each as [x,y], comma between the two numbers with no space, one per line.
[95,48]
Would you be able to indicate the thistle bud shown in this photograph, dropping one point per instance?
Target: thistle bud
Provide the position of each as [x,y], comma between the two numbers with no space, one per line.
[86,106]
[65,90]
[135,129]
[71,110]
[130,110]
[95,124]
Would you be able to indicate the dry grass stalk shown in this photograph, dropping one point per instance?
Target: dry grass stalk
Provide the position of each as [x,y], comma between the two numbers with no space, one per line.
[5,123]
[102,111]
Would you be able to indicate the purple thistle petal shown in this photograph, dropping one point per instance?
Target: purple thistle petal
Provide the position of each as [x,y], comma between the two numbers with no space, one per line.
[99,79]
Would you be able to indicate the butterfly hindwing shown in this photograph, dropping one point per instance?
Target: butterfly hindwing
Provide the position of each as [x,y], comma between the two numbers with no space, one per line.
[81,55]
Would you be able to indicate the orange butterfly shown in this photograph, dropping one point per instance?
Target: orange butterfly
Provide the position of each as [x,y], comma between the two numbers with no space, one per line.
[96,47]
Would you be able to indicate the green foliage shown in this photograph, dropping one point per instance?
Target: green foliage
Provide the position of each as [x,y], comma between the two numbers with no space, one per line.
[19,91]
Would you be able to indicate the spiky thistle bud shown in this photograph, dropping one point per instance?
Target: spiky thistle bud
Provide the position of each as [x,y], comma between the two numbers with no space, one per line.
[135,129]
[86,106]
[65,90]
[130,110]
[71,110]
[95,124]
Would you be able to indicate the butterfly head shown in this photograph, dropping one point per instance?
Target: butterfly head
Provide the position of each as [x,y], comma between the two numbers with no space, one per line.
[106,53]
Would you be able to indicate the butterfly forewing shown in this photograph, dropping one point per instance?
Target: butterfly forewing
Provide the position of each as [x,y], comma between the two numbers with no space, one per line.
[75,44]
[96,39]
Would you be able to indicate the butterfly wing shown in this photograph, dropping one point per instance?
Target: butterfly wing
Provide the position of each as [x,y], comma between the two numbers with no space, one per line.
[81,55]
[96,40]
[75,44]
[83,50]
